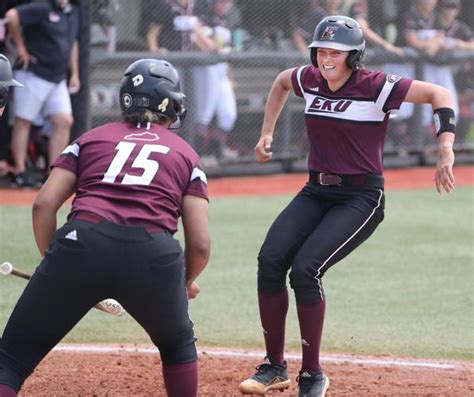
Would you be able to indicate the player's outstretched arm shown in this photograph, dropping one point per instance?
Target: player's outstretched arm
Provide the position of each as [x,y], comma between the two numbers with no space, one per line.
[197,240]
[442,103]
[276,100]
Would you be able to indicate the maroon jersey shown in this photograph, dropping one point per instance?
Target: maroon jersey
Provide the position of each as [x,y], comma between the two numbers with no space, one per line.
[347,128]
[133,176]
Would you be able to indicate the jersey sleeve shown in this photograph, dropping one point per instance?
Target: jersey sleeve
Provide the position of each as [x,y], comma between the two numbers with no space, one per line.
[69,158]
[393,91]
[297,81]
[197,184]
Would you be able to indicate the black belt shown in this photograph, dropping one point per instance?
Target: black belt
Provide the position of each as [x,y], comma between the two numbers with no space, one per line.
[325,179]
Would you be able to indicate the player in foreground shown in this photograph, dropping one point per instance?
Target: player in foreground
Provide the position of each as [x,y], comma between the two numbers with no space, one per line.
[347,111]
[132,181]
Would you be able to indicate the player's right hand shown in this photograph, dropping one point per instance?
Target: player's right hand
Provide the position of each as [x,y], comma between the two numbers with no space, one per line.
[263,151]
[192,290]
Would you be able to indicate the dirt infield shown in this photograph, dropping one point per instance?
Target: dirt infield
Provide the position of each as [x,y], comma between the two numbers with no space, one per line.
[139,374]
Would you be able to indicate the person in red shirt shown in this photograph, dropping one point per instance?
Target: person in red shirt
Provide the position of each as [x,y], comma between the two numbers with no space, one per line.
[132,180]
[346,112]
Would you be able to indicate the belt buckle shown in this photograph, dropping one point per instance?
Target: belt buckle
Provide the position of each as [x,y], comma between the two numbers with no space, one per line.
[336,179]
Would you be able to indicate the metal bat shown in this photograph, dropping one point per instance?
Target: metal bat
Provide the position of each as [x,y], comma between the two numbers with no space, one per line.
[110,306]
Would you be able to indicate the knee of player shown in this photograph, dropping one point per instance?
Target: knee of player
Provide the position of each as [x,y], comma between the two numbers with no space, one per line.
[12,374]
[271,275]
[307,286]
[306,275]
[178,351]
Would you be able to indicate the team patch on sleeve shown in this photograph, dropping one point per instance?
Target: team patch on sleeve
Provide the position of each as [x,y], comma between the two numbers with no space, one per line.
[73,149]
[198,174]
[392,78]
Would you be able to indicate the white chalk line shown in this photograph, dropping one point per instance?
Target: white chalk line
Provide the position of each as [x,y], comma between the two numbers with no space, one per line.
[384,362]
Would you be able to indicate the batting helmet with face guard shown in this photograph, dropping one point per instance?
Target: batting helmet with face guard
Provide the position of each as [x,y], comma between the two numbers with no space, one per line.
[339,33]
[152,84]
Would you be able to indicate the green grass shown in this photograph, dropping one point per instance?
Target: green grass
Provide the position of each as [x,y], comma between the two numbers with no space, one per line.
[407,291]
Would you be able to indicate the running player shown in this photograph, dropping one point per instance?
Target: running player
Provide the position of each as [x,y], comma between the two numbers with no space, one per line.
[347,110]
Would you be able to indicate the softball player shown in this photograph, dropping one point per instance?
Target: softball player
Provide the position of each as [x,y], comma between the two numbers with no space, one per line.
[347,110]
[132,181]
[6,81]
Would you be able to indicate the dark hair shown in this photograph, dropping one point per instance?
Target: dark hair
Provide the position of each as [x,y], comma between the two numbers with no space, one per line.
[145,116]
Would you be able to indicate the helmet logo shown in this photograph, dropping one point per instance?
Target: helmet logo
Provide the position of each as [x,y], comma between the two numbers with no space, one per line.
[163,105]
[137,80]
[127,100]
[329,33]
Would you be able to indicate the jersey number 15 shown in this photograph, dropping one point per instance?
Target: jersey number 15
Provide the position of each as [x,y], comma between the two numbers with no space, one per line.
[150,167]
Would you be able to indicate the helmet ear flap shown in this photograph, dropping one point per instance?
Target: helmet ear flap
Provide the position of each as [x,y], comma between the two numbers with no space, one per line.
[314,56]
[354,59]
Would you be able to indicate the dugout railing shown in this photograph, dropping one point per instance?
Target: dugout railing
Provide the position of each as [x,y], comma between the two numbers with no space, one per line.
[253,73]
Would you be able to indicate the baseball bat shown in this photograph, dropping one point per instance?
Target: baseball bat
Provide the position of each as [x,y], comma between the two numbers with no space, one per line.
[110,306]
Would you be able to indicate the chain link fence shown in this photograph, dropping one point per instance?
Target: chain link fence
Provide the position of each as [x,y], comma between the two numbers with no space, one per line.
[253,40]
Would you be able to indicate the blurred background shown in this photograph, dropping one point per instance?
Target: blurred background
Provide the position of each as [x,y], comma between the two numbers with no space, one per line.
[227,82]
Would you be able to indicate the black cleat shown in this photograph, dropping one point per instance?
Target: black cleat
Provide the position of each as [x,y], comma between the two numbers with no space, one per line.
[24,179]
[312,384]
[269,376]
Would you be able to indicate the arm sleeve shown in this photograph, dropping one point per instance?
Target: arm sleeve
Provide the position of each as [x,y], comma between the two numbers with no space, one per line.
[197,185]
[397,94]
[69,158]
[297,81]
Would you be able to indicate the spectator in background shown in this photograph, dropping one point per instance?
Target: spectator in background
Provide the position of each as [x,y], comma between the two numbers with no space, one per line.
[4,126]
[319,9]
[417,30]
[458,35]
[104,14]
[45,35]
[359,11]
[6,81]
[170,24]
[213,87]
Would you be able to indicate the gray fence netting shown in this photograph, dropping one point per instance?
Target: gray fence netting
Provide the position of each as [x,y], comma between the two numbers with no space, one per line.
[261,39]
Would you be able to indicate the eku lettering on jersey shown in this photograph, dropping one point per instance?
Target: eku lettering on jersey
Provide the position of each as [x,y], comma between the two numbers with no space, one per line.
[133,176]
[347,128]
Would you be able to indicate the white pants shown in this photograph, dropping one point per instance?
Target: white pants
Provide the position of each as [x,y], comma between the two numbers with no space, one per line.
[39,98]
[214,96]
[436,74]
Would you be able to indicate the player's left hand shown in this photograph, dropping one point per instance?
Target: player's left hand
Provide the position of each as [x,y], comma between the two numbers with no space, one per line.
[444,177]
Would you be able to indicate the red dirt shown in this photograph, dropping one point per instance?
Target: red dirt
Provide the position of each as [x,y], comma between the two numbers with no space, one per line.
[135,374]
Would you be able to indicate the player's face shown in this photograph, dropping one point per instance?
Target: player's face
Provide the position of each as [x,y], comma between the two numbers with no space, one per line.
[332,64]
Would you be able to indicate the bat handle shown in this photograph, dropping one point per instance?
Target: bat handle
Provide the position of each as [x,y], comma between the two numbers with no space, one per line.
[21,274]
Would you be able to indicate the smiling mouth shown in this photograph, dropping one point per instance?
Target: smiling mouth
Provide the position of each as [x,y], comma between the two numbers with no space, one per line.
[329,67]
